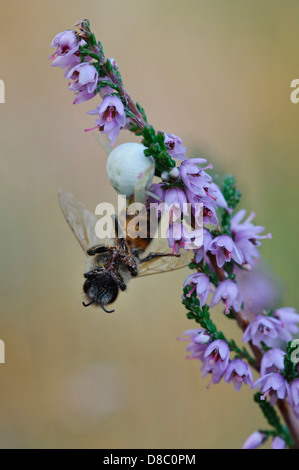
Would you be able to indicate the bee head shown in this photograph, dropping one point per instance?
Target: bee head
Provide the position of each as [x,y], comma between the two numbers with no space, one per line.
[100,289]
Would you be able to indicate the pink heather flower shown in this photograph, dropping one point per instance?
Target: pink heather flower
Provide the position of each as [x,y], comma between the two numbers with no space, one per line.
[175,146]
[178,236]
[225,250]
[196,335]
[156,194]
[202,251]
[209,206]
[274,385]
[278,443]
[214,193]
[216,358]
[294,393]
[199,339]
[228,292]
[194,177]
[272,361]
[112,117]
[176,201]
[209,214]
[196,198]
[246,236]
[201,283]
[175,195]
[208,194]
[194,239]
[238,372]
[254,440]
[67,44]
[85,81]
[266,329]
[289,317]
[237,226]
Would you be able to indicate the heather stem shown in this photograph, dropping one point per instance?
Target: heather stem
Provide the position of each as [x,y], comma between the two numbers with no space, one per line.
[290,420]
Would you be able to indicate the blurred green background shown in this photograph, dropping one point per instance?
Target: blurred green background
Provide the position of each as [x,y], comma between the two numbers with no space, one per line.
[216,73]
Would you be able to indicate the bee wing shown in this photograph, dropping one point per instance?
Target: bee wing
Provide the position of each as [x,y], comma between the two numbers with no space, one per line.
[81,221]
[164,263]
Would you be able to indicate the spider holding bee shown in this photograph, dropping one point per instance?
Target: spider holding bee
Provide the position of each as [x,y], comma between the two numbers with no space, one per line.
[114,261]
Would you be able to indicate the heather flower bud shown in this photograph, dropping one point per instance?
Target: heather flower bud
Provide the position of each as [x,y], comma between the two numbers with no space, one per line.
[254,440]
[165,176]
[174,173]
[126,165]
[113,63]
[278,443]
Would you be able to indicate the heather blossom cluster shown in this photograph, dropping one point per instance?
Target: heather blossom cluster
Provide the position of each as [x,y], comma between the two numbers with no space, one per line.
[226,246]
[82,71]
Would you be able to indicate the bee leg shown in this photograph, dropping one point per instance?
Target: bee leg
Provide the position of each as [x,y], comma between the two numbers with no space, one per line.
[117,278]
[92,273]
[152,256]
[135,252]
[99,249]
[130,264]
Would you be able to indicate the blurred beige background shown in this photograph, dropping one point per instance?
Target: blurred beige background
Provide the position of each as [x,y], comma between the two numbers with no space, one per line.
[216,73]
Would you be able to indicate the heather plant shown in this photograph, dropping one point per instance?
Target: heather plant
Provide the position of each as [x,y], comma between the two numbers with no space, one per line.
[225,261]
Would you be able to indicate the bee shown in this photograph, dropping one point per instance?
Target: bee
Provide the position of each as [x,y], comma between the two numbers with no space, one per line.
[112,262]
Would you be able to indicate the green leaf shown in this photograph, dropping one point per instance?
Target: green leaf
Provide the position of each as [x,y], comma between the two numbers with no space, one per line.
[269,412]
[101,47]
[104,83]
[92,39]
[273,420]
[232,195]
[108,65]
[91,54]
[141,110]
[157,149]
[230,192]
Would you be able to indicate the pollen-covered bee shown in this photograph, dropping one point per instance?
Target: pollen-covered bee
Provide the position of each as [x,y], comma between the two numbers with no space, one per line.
[112,262]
